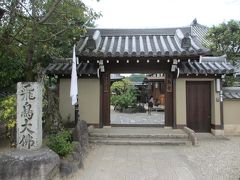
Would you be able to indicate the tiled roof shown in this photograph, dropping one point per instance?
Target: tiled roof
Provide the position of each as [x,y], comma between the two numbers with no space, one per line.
[238,69]
[200,31]
[140,42]
[207,65]
[231,93]
[152,78]
[66,69]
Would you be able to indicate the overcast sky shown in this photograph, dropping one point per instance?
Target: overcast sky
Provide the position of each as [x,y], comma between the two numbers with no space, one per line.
[163,13]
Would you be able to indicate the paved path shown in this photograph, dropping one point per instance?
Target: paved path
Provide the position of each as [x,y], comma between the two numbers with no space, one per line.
[213,159]
[138,131]
[136,163]
[137,118]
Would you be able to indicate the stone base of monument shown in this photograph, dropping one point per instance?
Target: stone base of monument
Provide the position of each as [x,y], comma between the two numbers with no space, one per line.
[74,161]
[80,134]
[24,164]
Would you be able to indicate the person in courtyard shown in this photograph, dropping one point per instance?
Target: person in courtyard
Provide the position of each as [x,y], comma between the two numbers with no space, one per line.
[150,105]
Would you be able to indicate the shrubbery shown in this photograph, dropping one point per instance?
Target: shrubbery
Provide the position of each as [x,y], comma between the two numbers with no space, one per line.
[124,100]
[61,143]
[8,110]
[125,94]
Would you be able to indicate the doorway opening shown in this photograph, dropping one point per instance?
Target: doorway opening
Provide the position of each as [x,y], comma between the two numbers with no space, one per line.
[137,99]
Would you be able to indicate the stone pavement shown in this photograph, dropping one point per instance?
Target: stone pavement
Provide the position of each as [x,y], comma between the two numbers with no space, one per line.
[137,163]
[138,136]
[137,118]
[150,131]
[213,159]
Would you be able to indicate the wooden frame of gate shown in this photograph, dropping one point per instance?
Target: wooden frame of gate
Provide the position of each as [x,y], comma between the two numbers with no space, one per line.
[144,66]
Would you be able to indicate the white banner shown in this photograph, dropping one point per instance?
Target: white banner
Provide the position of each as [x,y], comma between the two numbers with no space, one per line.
[74,78]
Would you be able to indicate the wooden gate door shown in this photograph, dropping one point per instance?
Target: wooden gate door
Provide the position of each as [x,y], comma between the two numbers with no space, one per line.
[199,106]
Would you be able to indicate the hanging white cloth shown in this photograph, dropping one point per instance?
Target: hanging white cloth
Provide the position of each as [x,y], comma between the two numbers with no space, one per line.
[74,79]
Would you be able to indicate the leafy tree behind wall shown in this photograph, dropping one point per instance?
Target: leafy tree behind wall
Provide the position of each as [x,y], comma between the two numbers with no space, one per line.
[33,32]
[225,39]
[124,94]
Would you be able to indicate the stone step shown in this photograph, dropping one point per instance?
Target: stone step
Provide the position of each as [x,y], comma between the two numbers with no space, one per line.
[141,141]
[152,136]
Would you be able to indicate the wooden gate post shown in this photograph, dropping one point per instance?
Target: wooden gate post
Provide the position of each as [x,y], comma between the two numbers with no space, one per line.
[169,101]
[105,99]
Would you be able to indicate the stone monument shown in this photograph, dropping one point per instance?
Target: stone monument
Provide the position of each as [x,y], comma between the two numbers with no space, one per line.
[29,115]
[29,160]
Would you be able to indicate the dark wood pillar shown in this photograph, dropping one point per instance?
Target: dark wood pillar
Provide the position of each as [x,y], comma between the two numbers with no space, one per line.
[174,104]
[101,103]
[169,101]
[221,105]
[105,99]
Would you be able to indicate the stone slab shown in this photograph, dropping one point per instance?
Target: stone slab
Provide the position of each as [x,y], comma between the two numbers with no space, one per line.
[24,164]
[217,132]
[29,115]
[156,118]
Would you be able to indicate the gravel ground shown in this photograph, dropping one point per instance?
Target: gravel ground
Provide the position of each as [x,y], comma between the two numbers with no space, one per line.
[137,118]
[215,158]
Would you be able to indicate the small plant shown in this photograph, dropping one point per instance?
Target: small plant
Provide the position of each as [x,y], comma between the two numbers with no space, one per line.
[61,143]
[8,111]
[8,116]
[125,94]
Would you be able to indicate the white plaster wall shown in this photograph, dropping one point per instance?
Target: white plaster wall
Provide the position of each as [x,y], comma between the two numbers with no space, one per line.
[89,100]
[181,116]
[231,114]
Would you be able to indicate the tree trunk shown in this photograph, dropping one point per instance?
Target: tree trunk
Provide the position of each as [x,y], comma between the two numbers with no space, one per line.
[31,47]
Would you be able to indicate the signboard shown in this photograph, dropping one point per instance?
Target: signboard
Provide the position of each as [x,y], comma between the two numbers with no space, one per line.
[29,115]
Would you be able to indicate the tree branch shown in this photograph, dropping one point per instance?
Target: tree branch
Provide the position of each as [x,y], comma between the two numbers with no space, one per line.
[51,10]
[20,41]
[25,9]
[54,35]
[238,49]
[52,24]
[19,30]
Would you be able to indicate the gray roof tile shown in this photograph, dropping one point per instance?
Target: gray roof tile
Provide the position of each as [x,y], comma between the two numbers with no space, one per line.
[138,42]
[200,32]
[231,93]
[203,66]
[65,68]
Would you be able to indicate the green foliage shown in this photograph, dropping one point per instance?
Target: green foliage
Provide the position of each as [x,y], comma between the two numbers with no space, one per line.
[35,32]
[125,94]
[61,143]
[230,81]
[8,111]
[120,87]
[124,100]
[225,39]
[11,69]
